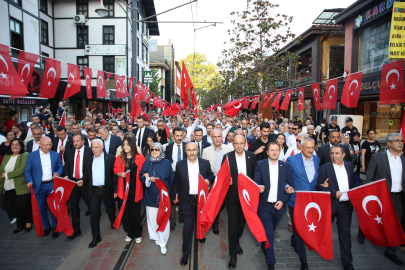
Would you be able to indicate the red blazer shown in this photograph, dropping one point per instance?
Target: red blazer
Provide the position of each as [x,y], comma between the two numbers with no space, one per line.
[120,168]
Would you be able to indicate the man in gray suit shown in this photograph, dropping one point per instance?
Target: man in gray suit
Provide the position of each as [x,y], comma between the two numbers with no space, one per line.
[390,165]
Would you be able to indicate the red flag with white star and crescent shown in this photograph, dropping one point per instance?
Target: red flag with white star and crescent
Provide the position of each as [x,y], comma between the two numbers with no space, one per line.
[51,78]
[351,90]
[330,97]
[73,81]
[88,75]
[26,65]
[301,100]
[163,215]
[286,102]
[392,83]
[316,94]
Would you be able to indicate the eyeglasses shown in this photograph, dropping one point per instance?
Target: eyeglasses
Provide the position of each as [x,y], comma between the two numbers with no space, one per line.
[298,140]
[295,128]
[398,141]
[290,128]
[155,149]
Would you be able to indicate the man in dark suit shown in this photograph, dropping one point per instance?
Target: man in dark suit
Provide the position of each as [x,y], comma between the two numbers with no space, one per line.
[76,160]
[272,176]
[324,151]
[240,161]
[186,183]
[141,132]
[338,177]
[390,165]
[201,144]
[111,142]
[33,145]
[102,188]
[161,132]
[62,143]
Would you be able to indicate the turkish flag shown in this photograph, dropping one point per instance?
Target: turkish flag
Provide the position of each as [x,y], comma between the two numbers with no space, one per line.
[376,214]
[164,206]
[124,86]
[101,91]
[36,214]
[62,188]
[249,194]
[51,78]
[124,202]
[73,81]
[234,108]
[217,196]
[130,84]
[143,91]
[174,109]
[228,104]
[313,221]
[316,94]
[10,81]
[392,83]
[167,132]
[166,111]
[136,105]
[158,102]
[119,89]
[185,85]
[286,102]
[268,99]
[330,97]
[351,90]
[255,100]
[62,119]
[301,101]
[246,102]
[88,75]
[26,65]
[202,199]
[276,101]
[193,97]
[148,98]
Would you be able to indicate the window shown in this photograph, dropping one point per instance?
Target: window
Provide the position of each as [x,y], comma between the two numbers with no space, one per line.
[145,54]
[82,7]
[44,32]
[43,6]
[43,59]
[16,34]
[108,64]
[82,36]
[18,2]
[108,35]
[109,4]
[137,48]
[137,18]
[82,61]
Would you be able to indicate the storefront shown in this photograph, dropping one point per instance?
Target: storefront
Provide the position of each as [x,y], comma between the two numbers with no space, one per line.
[24,106]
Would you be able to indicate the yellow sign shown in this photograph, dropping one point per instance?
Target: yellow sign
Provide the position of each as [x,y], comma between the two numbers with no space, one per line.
[397,34]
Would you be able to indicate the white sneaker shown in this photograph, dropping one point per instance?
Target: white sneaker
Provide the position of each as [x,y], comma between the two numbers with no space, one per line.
[128,239]
[138,240]
[163,250]
[13,221]
[157,242]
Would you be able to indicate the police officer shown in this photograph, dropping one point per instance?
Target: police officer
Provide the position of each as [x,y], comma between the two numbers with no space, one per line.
[349,128]
[330,126]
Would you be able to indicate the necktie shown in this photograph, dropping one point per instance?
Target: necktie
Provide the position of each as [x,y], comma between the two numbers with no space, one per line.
[199,154]
[77,168]
[61,153]
[178,153]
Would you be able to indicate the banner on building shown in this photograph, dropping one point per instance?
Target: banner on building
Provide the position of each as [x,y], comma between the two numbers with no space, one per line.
[397,45]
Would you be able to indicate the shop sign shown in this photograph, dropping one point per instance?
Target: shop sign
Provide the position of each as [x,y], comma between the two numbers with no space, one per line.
[148,76]
[397,33]
[23,101]
[371,85]
[373,13]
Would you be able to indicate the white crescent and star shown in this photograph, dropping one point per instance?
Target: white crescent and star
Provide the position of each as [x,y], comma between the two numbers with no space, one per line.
[71,76]
[301,94]
[246,196]
[356,82]
[316,92]
[2,59]
[22,71]
[371,198]
[166,194]
[316,206]
[334,89]
[54,73]
[61,190]
[389,73]
[240,104]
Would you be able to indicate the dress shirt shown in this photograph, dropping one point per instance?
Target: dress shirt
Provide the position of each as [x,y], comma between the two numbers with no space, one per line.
[309,168]
[174,154]
[35,146]
[343,181]
[217,159]
[273,182]
[107,144]
[81,163]
[396,172]
[139,136]
[281,156]
[64,145]
[193,171]
[98,170]
[287,135]
[89,142]
[241,163]
[292,141]
[46,166]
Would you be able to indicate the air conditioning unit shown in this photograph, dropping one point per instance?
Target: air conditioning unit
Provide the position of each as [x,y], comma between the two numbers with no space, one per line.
[79,19]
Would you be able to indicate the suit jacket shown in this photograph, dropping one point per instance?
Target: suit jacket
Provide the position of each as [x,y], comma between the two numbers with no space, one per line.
[17,174]
[110,184]
[115,142]
[327,171]
[181,180]
[69,145]
[204,144]
[205,138]
[209,155]
[299,175]
[68,168]
[33,168]
[145,134]
[251,160]
[324,154]
[169,151]
[262,177]
[29,146]
[379,168]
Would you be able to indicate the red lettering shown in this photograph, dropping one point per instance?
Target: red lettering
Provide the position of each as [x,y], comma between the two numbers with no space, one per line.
[368,14]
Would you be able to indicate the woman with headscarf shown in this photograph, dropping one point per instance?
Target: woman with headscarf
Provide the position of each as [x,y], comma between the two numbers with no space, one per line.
[157,167]
[130,160]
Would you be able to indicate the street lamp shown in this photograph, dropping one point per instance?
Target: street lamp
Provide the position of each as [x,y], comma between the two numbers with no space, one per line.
[101,10]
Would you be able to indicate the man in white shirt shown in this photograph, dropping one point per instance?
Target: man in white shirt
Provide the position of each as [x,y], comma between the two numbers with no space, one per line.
[33,145]
[292,140]
[190,129]
[337,177]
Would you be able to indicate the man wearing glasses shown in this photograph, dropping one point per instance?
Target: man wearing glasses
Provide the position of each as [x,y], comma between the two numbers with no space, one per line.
[324,151]
[390,165]
[292,140]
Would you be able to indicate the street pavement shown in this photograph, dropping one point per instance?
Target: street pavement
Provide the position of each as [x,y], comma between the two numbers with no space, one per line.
[27,251]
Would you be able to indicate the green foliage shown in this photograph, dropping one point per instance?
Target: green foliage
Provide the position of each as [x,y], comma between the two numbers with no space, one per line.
[154,86]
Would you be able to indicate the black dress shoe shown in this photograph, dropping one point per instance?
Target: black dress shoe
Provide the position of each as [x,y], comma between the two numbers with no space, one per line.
[270,267]
[47,231]
[215,230]
[350,267]
[28,229]
[172,226]
[87,213]
[54,234]
[304,266]
[184,260]
[74,235]
[94,242]
[239,250]
[202,241]
[394,258]
[17,231]
[232,262]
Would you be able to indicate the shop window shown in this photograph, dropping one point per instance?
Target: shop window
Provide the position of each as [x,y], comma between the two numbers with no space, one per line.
[82,36]
[44,32]
[373,46]
[43,6]
[82,61]
[109,4]
[108,35]
[82,7]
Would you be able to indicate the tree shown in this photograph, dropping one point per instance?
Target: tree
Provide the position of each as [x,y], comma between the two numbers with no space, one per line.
[255,63]
[154,86]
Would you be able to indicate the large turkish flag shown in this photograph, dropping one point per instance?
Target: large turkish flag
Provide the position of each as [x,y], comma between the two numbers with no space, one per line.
[376,214]
[276,101]
[316,93]
[392,83]
[73,81]
[268,99]
[10,81]
[202,199]
[185,85]
[234,108]
[286,102]
[330,97]
[62,188]
[135,105]
[51,78]
[313,221]
[351,90]
[36,214]
[164,206]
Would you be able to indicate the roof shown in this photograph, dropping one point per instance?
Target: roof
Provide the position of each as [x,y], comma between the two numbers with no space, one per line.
[327,15]
[351,10]
[149,6]
[159,64]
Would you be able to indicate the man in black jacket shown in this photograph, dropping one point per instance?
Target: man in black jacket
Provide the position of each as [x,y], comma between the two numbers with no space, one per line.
[111,142]
[258,146]
[62,143]
[324,151]
[141,132]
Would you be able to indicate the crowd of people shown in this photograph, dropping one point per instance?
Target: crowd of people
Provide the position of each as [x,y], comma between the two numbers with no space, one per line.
[281,155]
